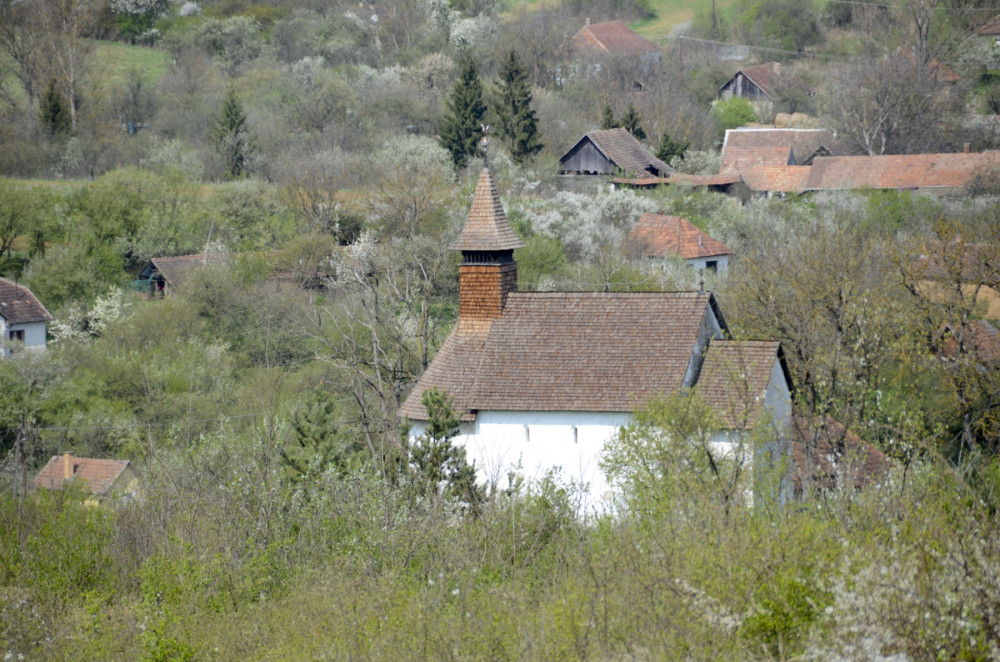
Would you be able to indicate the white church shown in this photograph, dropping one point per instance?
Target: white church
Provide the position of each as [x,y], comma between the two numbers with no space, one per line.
[541,380]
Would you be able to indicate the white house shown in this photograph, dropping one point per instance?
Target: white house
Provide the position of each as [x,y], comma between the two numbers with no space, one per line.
[23,318]
[541,380]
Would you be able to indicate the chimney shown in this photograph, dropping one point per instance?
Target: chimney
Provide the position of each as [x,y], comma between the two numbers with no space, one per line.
[966,148]
[586,22]
[777,68]
[67,465]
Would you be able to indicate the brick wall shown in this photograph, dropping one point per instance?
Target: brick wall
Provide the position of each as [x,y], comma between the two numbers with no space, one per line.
[483,289]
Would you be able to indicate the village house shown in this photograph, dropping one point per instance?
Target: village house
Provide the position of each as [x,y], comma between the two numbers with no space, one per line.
[99,480]
[610,152]
[661,235]
[827,456]
[615,39]
[23,319]
[541,380]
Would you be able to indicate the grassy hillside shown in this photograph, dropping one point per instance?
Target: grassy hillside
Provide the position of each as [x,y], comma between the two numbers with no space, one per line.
[671,13]
[119,59]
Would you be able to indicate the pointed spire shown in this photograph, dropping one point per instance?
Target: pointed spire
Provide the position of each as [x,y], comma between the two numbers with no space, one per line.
[487,228]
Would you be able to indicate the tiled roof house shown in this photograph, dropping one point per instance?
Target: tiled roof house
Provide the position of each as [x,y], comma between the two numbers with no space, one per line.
[660,235]
[764,81]
[23,318]
[543,379]
[609,152]
[613,39]
[828,456]
[99,479]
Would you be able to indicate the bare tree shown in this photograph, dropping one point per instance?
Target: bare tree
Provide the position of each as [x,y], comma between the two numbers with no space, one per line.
[66,24]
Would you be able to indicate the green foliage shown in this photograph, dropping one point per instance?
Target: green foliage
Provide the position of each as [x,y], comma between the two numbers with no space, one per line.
[517,123]
[733,113]
[608,120]
[670,149]
[440,464]
[632,121]
[540,263]
[790,25]
[460,128]
[54,113]
[318,441]
[232,139]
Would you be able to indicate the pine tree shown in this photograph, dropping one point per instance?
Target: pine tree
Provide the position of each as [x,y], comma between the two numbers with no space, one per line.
[461,127]
[54,114]
[439,462]
[518,124]
[232,137]
[630,120]
[608,120]
[670,148]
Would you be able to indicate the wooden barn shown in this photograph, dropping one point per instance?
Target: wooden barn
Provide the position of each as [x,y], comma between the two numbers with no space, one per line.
[610,152]
[763,82]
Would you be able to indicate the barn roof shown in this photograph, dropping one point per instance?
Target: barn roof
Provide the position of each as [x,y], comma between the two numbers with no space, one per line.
[612,38]
[96,475]
[990,29]
[19,306]
[175,269]
[486,228]
[659,234]
[803,143]
[770,79]
[623,150]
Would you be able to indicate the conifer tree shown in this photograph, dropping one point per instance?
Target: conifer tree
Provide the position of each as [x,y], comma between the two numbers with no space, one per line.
[518,124]
[608,120]
[631,121]
[54,114]
[461,127]
[232,137]
[670,148]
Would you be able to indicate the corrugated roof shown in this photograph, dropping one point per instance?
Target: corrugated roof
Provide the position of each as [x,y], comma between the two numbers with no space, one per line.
[612,38]
[659,234]
[734,379]
[569,351]
[19,306]
[97,476]
[486,228]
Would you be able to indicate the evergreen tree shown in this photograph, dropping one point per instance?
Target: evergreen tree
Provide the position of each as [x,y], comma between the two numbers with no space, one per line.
[232,137]
[461,126]
[670,148]
[631,120]
[438,461]
[54,113]
[318,442]
[608,120]
[518,124]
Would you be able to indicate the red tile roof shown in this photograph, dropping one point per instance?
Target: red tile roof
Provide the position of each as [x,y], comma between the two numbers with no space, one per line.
[734,379]
[741,159]
[829,454]
[991,29]
[770,79]
[97,476]
[569,351]
[982,342]
[657,235]
[614,38]
[486,228]
[803,144]
[18,305]
[624,151]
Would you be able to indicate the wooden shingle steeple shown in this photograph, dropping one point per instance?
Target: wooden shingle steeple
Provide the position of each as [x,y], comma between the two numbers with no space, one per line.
[488,272]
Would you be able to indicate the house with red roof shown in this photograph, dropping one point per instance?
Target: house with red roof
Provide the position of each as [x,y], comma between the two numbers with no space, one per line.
[542,380]
[614,39]
[660,235]
[23,318]
[99,480]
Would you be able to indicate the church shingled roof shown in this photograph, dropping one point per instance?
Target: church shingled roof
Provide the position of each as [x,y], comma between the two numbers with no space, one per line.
[487,228]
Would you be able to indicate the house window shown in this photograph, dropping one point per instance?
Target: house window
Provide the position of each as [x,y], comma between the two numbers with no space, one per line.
[16,335]
[712,265]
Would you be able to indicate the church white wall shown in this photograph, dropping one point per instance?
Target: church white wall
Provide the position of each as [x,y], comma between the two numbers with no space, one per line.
[531,443]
